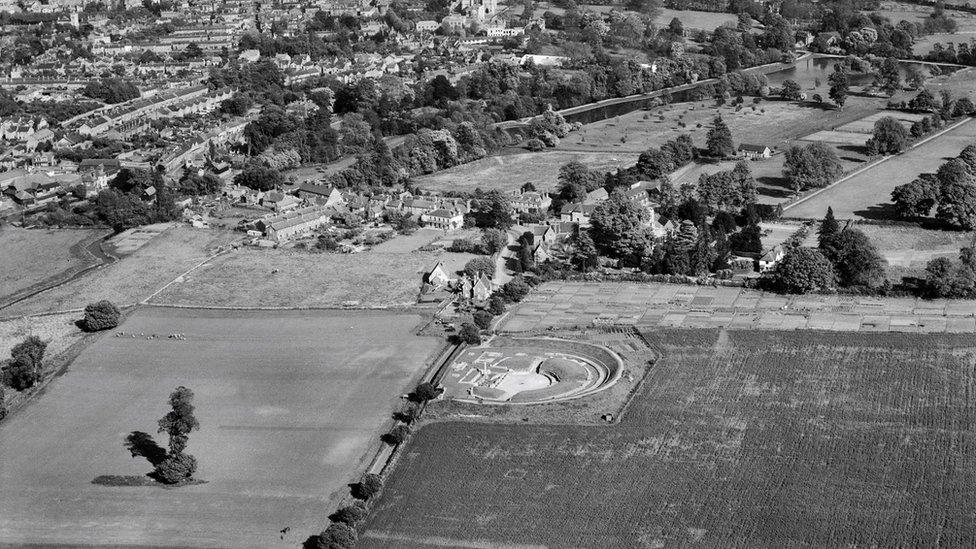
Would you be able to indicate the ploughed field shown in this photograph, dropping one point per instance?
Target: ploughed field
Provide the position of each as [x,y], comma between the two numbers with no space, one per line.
[290,406]
[737,439]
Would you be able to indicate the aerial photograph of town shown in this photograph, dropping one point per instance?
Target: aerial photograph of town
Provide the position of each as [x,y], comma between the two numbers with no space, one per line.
[487,274]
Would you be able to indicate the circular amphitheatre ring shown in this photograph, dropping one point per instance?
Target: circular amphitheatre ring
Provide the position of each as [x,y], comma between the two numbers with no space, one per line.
[510,370]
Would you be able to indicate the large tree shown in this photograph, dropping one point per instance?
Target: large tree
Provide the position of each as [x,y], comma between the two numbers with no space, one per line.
[719,140]
[803,270]
[480,265]
[856,260]
[101,315]
[178,423]
[957,195]
[653,163]
[840,83]
[111,90]
[493,240]
[813,166]
[916,199]
[492,210]
[585,256]
[791,91]
[618,228]
[888,77]
[337,536]
[258,177]
[890,137]
[828,230]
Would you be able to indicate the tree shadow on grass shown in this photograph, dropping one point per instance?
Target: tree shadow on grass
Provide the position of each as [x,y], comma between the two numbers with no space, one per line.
[880,212]
[775,187]
[856,149]
[124,480]
[141,444]
[814,105]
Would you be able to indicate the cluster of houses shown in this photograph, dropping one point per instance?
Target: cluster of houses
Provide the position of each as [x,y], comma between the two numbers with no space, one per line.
[310,206]
[475,288]
[579,213]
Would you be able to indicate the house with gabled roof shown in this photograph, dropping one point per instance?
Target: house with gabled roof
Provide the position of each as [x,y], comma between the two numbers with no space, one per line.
[481,289]
[437,276]
[322,194]
[443,219]
[577,213]
[754,152]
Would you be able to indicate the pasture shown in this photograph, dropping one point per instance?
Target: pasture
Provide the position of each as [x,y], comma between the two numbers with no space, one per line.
[577,305]
[290,405]
[781,123]
[58,330]
[867,195]
[859,131]
[695,20]
[924,44]
[736,439]
[134,277]
[511,171]
[253,277]
[907,248]
[34,258]
[691,19]
[898,11]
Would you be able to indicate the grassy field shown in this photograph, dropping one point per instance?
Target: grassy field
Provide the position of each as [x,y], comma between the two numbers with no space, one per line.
[908,249]
[691,19]
[580,306]
[252,277]
[924,44]
[34,257]
[508,172]
[868,194]
[289,405]
[897,11]
[737,439]
[777,127]
[695,20]
[59,331]
[133,278]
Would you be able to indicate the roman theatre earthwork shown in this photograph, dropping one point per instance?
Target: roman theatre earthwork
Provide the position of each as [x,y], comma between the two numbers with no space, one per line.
[529,371]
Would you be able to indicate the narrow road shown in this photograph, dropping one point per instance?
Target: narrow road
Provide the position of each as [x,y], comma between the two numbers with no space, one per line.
[501,272]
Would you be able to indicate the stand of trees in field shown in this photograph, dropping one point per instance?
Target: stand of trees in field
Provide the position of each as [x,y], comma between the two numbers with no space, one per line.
[171,465]
[25,367]
[843,258]
[951,192]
